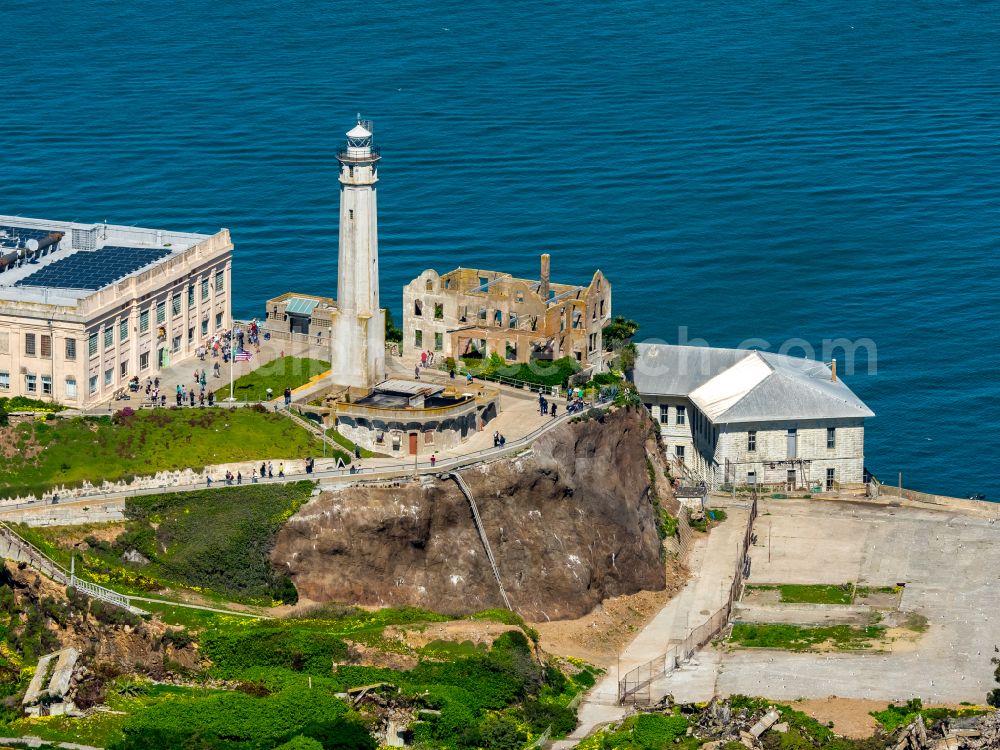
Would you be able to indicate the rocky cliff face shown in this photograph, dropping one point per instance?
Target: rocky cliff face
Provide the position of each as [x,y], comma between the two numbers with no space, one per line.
[42,616]
[569,524]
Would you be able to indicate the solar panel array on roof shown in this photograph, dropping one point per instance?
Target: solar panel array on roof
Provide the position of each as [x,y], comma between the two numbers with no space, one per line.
[94,269]
[10,233]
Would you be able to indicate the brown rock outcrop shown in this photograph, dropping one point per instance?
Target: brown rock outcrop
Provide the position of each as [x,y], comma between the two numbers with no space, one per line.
[569,524]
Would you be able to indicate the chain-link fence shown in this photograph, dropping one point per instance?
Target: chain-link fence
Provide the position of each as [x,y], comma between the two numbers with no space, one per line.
[636,684]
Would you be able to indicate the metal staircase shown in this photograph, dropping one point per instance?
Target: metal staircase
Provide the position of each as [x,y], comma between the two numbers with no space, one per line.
[15,547]
[311,427]
[482,533]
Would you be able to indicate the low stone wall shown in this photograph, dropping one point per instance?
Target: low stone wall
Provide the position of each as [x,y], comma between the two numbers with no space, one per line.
[803,614]
[924,497]
[165,480]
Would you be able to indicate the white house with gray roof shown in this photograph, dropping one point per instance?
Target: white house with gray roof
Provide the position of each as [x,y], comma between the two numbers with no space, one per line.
[737,416]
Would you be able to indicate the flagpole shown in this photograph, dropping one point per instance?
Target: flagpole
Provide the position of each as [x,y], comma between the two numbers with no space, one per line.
[232,360]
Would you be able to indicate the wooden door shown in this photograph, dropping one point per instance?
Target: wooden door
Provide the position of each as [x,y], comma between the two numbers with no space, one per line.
[413,443]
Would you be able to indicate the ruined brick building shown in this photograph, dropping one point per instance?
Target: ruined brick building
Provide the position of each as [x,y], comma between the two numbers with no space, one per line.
[470,311]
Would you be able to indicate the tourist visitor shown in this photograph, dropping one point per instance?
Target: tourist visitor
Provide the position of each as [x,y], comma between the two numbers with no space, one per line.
[239,477]
[416,372]
[270,470]
[288,396]
[281,470]
[253,476]
[553,408]
[433,460]
[357,451]
[263,470]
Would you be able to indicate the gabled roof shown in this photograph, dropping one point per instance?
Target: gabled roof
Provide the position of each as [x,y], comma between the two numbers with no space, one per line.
[739,385]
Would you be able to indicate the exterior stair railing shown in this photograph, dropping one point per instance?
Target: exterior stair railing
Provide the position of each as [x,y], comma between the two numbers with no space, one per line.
[482,533]
[15,547]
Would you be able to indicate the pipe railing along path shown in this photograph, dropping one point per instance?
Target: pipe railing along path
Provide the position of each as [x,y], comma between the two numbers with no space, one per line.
[20,549]
[15,547]
[325,477]
[482,533]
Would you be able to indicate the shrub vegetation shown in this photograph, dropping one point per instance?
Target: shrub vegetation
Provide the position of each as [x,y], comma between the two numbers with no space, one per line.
[71,451]
[217,540]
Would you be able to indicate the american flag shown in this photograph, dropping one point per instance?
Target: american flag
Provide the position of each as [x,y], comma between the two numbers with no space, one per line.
[242,356]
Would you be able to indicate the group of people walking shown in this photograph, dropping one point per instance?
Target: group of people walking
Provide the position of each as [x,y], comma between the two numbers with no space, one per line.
[544,407]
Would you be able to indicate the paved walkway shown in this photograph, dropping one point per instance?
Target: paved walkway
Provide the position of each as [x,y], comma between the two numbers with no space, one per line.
[948,561]
[712,561]
[525,428]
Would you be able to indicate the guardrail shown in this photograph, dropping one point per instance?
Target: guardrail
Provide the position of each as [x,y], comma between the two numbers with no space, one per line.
[462,407]
[643,676]
[524,385]
[352,473]
[50,568]
[482,534]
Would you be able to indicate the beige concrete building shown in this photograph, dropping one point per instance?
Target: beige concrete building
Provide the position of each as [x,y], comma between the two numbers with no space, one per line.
[85,307]
[470,310]
[743,417]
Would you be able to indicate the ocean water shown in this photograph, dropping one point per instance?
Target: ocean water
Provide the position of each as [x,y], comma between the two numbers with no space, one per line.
[789,171]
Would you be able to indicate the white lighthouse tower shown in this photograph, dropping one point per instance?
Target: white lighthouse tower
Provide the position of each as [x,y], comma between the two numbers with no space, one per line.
[358,336]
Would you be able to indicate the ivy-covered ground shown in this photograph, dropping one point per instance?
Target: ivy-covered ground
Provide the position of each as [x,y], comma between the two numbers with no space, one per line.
[682,728]
[263,684]
[215,542]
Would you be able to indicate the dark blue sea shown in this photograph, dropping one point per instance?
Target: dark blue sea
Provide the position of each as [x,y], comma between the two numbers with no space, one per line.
[793,171]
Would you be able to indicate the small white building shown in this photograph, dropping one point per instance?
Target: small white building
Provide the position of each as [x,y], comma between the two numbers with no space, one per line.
[747,417]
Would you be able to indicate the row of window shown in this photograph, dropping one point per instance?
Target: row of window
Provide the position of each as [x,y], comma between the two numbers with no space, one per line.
[418,310]
[31,383]
[680,418]
[418,340]
[41,345]
[680,414]
[792,437]
[109,333]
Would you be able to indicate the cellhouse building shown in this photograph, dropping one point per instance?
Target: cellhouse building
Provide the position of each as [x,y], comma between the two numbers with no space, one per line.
[85,307]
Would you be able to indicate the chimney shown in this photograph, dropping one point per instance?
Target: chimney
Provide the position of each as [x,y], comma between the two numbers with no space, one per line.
[543,287]
[833,370]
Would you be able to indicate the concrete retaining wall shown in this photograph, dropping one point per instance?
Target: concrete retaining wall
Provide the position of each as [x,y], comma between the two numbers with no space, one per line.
[803,614]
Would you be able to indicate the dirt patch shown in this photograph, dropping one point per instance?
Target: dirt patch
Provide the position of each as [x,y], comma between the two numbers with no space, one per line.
[459,631]
[762,596]
[599,636]
[11,447]
[902,640]
[850,717]
[879,600]
[70,536]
